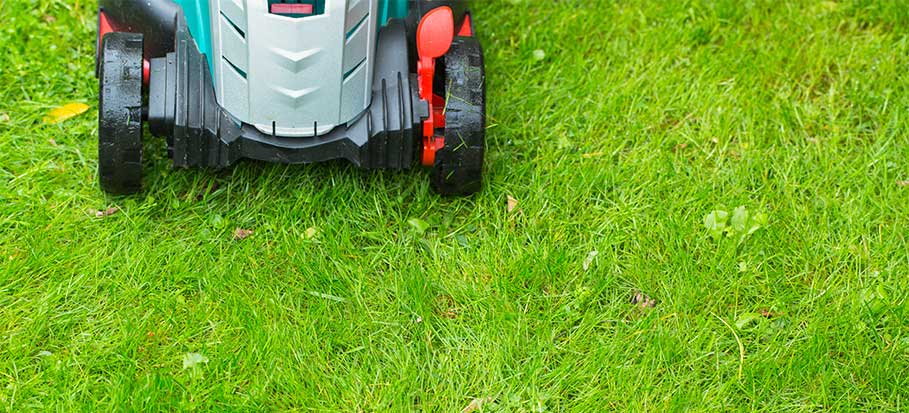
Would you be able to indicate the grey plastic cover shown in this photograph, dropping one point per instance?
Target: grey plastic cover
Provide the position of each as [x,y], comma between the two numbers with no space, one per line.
[293,77]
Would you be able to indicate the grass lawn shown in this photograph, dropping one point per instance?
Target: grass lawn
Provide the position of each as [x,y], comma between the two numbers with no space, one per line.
[618,127]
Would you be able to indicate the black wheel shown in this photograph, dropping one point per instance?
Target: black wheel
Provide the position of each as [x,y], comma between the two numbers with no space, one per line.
[458,168]
[120,114]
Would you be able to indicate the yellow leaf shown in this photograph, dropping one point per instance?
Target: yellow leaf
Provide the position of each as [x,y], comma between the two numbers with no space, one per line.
[65,112]
[476,404]
[512,203]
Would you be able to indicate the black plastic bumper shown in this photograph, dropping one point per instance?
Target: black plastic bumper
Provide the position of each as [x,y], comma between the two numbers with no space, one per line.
[183,108]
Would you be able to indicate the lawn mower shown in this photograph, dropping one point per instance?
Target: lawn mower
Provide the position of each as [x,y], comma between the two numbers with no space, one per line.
[384,84]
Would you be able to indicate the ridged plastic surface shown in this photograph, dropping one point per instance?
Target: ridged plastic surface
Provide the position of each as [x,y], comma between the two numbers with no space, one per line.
[293,77]
[201,133]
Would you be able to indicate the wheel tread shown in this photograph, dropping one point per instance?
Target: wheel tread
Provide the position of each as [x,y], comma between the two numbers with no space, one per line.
[120,114]
[458,169]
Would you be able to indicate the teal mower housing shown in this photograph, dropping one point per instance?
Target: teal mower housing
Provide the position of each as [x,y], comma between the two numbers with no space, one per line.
[384,84]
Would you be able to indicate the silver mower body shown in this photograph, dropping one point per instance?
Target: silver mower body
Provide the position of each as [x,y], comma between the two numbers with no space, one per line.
[293,76]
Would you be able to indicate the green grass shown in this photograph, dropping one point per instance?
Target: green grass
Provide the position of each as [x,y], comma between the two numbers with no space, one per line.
[643,117]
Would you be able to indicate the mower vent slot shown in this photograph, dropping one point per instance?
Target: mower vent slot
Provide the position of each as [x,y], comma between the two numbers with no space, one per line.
[236,69]
[234,25]
[354,70]
[359,24]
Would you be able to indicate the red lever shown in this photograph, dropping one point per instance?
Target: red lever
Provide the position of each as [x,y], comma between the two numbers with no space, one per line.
[434,37]
[435,33]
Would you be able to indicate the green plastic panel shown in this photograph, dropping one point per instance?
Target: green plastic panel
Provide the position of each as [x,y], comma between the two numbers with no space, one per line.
[197,18]
[391,9]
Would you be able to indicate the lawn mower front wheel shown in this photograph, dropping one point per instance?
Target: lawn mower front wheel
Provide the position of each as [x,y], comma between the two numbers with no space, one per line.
[458,168]
[120,113]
